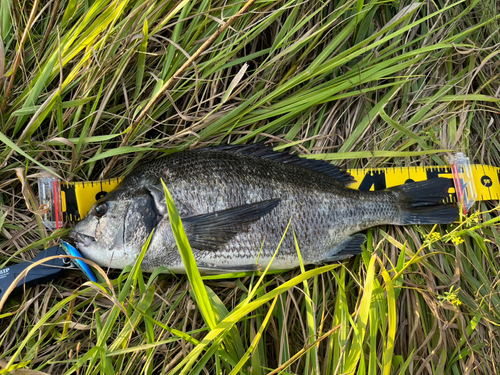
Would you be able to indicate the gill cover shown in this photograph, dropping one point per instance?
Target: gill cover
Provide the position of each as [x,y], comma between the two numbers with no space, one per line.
[140,221]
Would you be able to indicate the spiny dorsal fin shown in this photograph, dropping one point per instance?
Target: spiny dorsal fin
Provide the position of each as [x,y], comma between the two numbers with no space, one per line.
[261,151]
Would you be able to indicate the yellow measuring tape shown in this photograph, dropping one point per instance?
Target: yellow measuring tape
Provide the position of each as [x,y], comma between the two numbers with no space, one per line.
[76,199]
[485,177]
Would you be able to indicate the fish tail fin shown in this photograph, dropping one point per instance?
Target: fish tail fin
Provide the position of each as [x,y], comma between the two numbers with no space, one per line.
[423,202]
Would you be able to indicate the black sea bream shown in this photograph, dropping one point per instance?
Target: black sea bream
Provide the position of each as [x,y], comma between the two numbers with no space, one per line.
[236,200]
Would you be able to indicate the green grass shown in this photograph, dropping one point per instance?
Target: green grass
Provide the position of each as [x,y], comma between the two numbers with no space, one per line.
[92,88]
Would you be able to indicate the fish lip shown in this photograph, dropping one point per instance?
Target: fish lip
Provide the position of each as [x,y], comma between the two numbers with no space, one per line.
[81,240]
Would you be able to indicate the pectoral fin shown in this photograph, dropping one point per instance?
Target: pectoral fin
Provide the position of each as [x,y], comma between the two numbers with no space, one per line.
[212,231]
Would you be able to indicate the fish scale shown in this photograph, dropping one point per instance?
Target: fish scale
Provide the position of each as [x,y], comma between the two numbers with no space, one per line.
[236,200]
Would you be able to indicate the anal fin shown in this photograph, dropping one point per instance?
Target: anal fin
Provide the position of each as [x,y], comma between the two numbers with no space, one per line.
[213,269]
[350,247]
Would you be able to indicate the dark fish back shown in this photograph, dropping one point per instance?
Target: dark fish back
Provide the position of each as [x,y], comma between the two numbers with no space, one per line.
[223,166]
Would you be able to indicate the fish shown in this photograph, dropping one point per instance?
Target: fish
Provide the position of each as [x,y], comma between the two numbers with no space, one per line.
[236,203]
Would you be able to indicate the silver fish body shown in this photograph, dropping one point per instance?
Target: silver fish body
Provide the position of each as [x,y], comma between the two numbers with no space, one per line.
[236,203]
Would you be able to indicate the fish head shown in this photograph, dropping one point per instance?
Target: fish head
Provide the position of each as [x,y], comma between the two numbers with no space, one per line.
[114,231]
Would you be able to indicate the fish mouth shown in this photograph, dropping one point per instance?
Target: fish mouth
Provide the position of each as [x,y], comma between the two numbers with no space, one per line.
[81,240]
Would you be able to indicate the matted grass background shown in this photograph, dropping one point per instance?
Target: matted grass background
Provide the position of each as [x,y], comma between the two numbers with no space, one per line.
[89,89]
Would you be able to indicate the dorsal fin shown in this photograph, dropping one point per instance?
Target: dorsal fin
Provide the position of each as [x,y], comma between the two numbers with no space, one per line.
[262,151]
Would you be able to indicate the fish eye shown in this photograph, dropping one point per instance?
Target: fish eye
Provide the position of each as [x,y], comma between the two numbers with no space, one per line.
[101,209]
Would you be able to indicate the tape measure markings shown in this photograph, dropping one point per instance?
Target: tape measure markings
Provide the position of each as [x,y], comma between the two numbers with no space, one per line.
[485,179]
[80,196]
[485,182]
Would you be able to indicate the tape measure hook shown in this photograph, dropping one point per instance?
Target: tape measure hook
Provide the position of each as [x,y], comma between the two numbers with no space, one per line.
[463,180]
